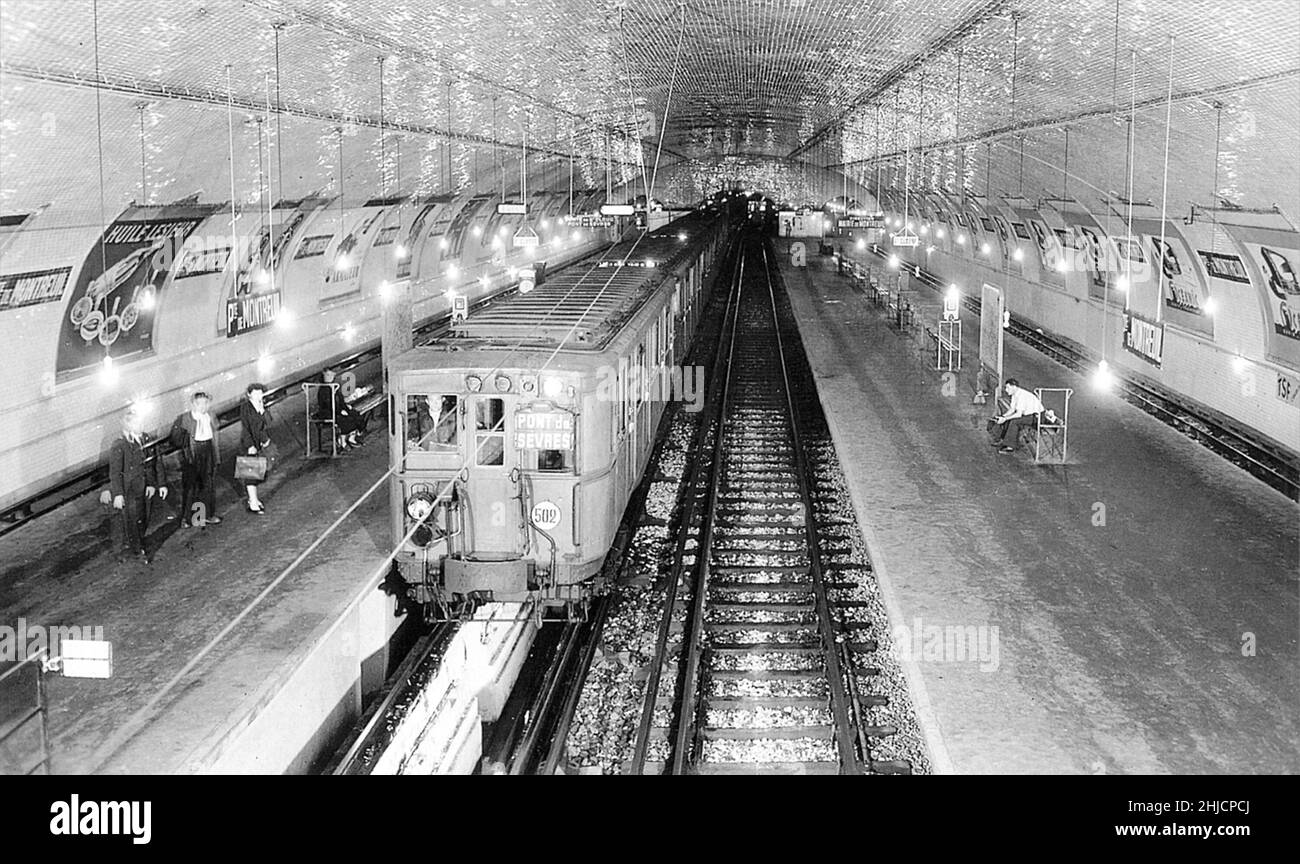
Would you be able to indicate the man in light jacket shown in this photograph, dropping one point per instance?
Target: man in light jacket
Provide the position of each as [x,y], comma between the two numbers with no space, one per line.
[194,434]
[1023,411]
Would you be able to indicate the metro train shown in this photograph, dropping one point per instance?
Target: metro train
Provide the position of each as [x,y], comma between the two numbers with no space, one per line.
[1208,305]
[517,440]
[151,308]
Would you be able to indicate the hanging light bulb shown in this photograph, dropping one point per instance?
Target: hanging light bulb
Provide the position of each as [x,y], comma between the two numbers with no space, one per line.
[1102,379]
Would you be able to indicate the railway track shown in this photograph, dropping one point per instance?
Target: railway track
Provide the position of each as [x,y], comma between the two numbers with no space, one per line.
[1262,459]
[757,660]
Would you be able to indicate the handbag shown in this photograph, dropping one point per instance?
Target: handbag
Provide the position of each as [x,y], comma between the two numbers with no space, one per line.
[251,467]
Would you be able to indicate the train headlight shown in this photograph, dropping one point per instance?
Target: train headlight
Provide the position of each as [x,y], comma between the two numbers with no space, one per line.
[502,384]
[552,387]
[419,506]
[473,383]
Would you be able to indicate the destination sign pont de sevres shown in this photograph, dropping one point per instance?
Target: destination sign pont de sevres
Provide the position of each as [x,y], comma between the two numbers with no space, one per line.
[543,430]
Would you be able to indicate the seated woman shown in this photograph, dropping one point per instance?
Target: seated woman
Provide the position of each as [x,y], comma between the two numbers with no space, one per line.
[330,403]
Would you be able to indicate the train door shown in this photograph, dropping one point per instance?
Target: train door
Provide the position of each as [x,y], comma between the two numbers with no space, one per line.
[495,517]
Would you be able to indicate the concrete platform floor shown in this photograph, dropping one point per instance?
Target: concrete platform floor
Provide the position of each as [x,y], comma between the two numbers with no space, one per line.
[60,570]
[1122,647]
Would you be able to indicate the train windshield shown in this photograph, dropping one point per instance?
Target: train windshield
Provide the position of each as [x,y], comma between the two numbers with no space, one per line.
[490,431]
[432,424]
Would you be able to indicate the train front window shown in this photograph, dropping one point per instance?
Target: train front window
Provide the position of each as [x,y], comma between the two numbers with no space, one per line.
[432,424]
[490,431]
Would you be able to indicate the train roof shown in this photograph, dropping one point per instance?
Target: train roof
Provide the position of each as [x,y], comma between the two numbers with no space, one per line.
[583,307]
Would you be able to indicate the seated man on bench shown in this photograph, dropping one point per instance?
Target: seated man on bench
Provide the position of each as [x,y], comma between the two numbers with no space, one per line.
[1023,411]
[350,424]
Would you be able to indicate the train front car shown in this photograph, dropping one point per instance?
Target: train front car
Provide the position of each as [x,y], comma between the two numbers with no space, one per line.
[517,440]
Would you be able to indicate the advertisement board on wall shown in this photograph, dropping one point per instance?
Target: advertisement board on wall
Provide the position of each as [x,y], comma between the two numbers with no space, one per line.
[110,311]
[1272,260]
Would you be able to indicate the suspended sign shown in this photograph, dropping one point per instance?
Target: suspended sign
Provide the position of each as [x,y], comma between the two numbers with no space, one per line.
[526,238]
[617,210]
[860,222]
[248,312]
[906,239]
[589,220]
[1144,338]
[543,430]
[512,208]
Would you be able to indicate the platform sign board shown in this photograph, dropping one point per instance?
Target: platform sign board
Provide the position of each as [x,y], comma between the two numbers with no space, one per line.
[589,220]
[86,658]
[906,239]
[248,312]
[512,208]
[526,238]
[991,318]
[1144,338]
[861,222]
[617,210]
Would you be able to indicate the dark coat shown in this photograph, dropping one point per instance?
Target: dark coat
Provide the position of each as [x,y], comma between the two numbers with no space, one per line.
[255,428]
[129,470]
[182,437]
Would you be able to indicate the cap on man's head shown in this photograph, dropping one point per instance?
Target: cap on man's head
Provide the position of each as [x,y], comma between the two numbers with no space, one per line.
[1012,382]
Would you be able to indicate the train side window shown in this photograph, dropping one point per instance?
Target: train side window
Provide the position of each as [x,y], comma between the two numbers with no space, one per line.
[490,431]
[432,423]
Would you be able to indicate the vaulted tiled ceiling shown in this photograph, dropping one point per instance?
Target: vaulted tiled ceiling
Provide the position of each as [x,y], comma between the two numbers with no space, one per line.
[946,93]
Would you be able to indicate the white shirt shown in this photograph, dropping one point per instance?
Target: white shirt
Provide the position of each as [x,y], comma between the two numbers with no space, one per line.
[202,426]
[1023,402]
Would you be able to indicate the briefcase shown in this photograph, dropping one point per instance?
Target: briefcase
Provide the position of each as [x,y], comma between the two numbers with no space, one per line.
[250,467]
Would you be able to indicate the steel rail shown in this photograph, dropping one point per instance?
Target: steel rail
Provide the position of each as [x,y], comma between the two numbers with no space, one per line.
[711,419]
[371,726]
[686,734]
[850,763]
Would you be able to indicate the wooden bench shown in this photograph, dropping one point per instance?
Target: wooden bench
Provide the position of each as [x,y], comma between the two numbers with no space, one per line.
[369,402]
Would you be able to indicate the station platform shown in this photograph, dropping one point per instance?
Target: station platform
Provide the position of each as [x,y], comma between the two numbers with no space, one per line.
[189,692]
[1132,611]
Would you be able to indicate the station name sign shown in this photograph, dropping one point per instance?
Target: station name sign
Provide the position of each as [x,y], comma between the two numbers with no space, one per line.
[589,220]
[617,210]
[32,287]
[249,312]
[860,222]
[512,208]
[906,240]
[544,430]
[1144,338]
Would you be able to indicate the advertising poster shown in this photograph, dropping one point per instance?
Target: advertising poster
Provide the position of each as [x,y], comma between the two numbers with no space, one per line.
[1273,262]
[1183,290]
[110,311]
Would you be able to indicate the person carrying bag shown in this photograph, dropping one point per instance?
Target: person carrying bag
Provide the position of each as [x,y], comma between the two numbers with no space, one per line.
[258,456]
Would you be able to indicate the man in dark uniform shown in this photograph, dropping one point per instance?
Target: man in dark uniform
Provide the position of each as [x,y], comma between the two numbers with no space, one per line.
[133,480]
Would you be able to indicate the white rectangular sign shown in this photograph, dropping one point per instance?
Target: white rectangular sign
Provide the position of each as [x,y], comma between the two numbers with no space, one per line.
[511,208]
[617,210]
[86,658]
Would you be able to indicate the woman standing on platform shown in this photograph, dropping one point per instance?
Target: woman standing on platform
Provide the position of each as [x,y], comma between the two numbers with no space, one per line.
[255,437]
